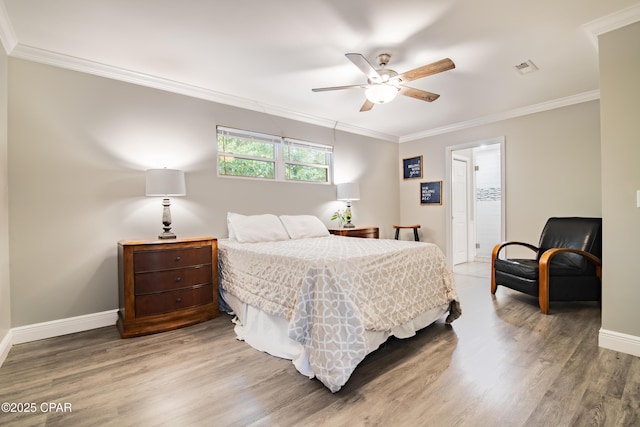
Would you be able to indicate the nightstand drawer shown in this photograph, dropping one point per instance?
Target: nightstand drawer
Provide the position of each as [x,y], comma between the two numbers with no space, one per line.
[171,258]
[166,284]
[167,302]
[363,232]
[157,281]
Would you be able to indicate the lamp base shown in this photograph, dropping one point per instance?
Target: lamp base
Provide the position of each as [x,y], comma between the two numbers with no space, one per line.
[347,215]
[166,221]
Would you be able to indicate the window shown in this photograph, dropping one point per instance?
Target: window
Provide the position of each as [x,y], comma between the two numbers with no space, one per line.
[257,155]
[247,154]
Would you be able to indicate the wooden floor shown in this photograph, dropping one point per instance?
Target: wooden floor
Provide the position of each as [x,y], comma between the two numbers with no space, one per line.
[502,363]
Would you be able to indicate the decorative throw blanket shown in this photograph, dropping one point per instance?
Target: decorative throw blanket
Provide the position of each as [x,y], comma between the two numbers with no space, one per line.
[332,289]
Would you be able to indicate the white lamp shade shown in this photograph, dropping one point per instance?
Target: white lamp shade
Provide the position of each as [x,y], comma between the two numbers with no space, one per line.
[165,182]
[381,93]
[349,191]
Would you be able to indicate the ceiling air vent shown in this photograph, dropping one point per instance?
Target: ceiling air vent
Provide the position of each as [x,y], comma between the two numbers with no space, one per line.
[526,67]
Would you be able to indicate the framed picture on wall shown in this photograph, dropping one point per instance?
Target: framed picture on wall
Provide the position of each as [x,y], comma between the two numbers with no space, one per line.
[412,167]
[431,193]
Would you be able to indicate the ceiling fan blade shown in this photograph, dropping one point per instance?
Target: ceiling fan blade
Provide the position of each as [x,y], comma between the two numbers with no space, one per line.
[426,70]
[422,95]
[368,105]
[324,89]
[364,66]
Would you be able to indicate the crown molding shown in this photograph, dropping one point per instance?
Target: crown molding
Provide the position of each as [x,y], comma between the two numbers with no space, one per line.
[612,22]
[518,112]
[13,48]
[7,35]
[82,65]
[594,29]
[103,70]
[366,132]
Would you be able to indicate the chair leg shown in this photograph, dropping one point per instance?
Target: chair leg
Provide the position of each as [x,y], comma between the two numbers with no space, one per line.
[397,233]
[599,275]
[415,235]
[494,255]
[543,287]
[494,285]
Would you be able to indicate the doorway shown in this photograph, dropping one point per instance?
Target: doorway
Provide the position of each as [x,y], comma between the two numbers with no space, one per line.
[475,202]
[460,207]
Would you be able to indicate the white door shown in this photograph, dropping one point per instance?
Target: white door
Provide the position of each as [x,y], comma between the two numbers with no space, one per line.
[459,210]
[454,242]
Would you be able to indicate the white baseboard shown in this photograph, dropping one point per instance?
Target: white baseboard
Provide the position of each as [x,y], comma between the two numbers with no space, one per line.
[611,340]
[617,341]
[5,346]
[70,325]
[55,328]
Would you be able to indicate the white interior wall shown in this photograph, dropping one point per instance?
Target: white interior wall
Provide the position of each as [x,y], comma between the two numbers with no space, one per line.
[544,177]
[78,148]
[487,199]
[124,120]
[5,294]
[620,92]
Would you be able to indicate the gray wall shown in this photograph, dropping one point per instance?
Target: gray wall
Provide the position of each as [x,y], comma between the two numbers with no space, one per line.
[5,294]
[620,115]
[78,148]
[578,160]
[552,169]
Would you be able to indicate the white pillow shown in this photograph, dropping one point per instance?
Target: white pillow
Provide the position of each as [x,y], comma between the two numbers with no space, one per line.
[255,228]
[303,226]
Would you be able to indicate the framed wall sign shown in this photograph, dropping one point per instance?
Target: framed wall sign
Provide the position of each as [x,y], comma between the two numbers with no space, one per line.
[412,167]
[431,193]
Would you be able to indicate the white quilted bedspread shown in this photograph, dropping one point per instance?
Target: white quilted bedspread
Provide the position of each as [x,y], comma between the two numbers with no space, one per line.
[332,289]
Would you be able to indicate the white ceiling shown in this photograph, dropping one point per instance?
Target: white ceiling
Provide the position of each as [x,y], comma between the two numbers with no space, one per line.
[268,55]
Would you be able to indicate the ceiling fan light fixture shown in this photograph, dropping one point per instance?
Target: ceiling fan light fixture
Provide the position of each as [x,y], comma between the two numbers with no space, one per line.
[384,84]
[381,93]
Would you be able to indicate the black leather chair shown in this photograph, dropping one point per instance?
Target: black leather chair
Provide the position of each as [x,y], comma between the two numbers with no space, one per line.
[567,267]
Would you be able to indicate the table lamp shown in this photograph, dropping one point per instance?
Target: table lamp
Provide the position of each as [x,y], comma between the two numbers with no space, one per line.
[348,192]
[165,182]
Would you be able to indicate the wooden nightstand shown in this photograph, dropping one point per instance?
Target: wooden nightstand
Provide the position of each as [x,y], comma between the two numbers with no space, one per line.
[366,232]
[166,284]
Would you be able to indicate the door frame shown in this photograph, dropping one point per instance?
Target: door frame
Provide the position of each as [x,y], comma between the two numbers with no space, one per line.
[467,191]
[447,196]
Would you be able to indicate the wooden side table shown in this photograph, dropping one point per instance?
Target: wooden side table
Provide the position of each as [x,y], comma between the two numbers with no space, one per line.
[365,232]
[414,227]
[166,284]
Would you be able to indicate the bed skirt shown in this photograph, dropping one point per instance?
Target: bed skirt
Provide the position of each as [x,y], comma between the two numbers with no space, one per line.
[269,333]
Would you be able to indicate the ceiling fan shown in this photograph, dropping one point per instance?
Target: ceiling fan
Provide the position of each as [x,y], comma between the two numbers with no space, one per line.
[384,84]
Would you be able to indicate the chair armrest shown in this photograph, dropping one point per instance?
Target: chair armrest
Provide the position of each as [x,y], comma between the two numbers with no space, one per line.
[495,253]
[497,248]
[545,261]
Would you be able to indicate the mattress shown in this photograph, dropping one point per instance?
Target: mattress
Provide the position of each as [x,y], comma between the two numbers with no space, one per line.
[338,298]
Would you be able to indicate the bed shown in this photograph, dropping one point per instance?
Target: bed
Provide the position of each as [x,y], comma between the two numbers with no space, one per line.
[326,301]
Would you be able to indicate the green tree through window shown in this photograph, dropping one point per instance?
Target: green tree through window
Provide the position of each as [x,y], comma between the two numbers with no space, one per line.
[255,155]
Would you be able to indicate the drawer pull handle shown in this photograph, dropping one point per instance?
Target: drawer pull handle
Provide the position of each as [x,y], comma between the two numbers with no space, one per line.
[177,258]
[178,299]
[178,279]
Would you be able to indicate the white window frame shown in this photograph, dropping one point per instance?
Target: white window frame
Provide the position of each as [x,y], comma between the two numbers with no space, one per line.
[279,161]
